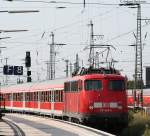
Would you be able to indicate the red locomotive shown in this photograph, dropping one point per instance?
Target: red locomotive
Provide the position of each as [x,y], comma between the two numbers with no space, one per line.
[92,95]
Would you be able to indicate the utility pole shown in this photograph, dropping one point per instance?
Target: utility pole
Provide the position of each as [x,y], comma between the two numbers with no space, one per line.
[52,59]
[48,69]
[138,57]
[76,64]
[91,55]
[67,67]
[37,65]
[97,60]
[70,69]
[6,77]
[51,65]
[138,77]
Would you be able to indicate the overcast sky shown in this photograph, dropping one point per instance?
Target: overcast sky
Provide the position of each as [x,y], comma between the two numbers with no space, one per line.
[70,26]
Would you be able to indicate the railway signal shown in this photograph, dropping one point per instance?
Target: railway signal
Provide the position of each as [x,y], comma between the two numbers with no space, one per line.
[28,65]
[28,59]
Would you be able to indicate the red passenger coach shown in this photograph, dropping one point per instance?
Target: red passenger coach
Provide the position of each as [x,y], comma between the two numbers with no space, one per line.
[92,95]
[41,97]
[2,105]
[133,99]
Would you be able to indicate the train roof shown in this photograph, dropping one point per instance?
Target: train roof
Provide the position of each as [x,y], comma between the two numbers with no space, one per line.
[56,83]
[146,92]
[40,86]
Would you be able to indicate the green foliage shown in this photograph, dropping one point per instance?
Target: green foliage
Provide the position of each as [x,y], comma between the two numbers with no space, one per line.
[130,84]
[147,130]
[139,125]
[130,116]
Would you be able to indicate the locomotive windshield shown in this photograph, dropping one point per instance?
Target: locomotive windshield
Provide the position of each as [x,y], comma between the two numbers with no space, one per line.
[93,85]
[116,85]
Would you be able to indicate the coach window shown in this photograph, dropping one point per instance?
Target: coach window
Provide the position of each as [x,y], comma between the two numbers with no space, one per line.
[21,97]
[31,96]
[56,96]
[8,97]
[13,97]
[60,95]
[41,96]
[93,85]
[49,96]
[37,96]
[34,96]
[26,96]
[45,94]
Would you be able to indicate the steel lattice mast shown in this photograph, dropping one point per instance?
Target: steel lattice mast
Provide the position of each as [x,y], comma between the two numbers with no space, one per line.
[138,85]
[138,56]
[52,59]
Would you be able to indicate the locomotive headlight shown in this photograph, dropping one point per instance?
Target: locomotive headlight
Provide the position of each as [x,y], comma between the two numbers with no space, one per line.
[91,107]
[120,107]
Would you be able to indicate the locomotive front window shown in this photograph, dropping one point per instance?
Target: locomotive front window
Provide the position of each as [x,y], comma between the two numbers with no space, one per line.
[95,85]
[116,85]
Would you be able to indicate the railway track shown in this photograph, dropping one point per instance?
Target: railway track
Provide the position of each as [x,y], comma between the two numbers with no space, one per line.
[16,129]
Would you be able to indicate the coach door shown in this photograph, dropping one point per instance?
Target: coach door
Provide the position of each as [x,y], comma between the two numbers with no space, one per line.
[52,101]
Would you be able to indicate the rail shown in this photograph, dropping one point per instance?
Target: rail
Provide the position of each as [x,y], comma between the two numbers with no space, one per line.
[17,130]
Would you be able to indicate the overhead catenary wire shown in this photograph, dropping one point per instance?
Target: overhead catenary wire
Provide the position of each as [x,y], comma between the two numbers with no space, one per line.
[56,29]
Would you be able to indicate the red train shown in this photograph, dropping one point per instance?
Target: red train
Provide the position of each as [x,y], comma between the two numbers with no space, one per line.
[93,95]
[146,99]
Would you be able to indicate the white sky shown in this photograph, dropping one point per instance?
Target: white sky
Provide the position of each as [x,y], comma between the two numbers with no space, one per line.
[70,26]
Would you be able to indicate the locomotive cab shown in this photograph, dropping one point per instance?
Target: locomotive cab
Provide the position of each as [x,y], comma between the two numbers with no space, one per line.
[104,98]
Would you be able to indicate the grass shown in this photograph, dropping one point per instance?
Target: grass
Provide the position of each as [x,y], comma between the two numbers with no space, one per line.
[139,125]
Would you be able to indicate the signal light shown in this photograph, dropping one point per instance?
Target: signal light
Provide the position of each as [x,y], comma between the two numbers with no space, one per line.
[29,79]
[28,59]
[28,73]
